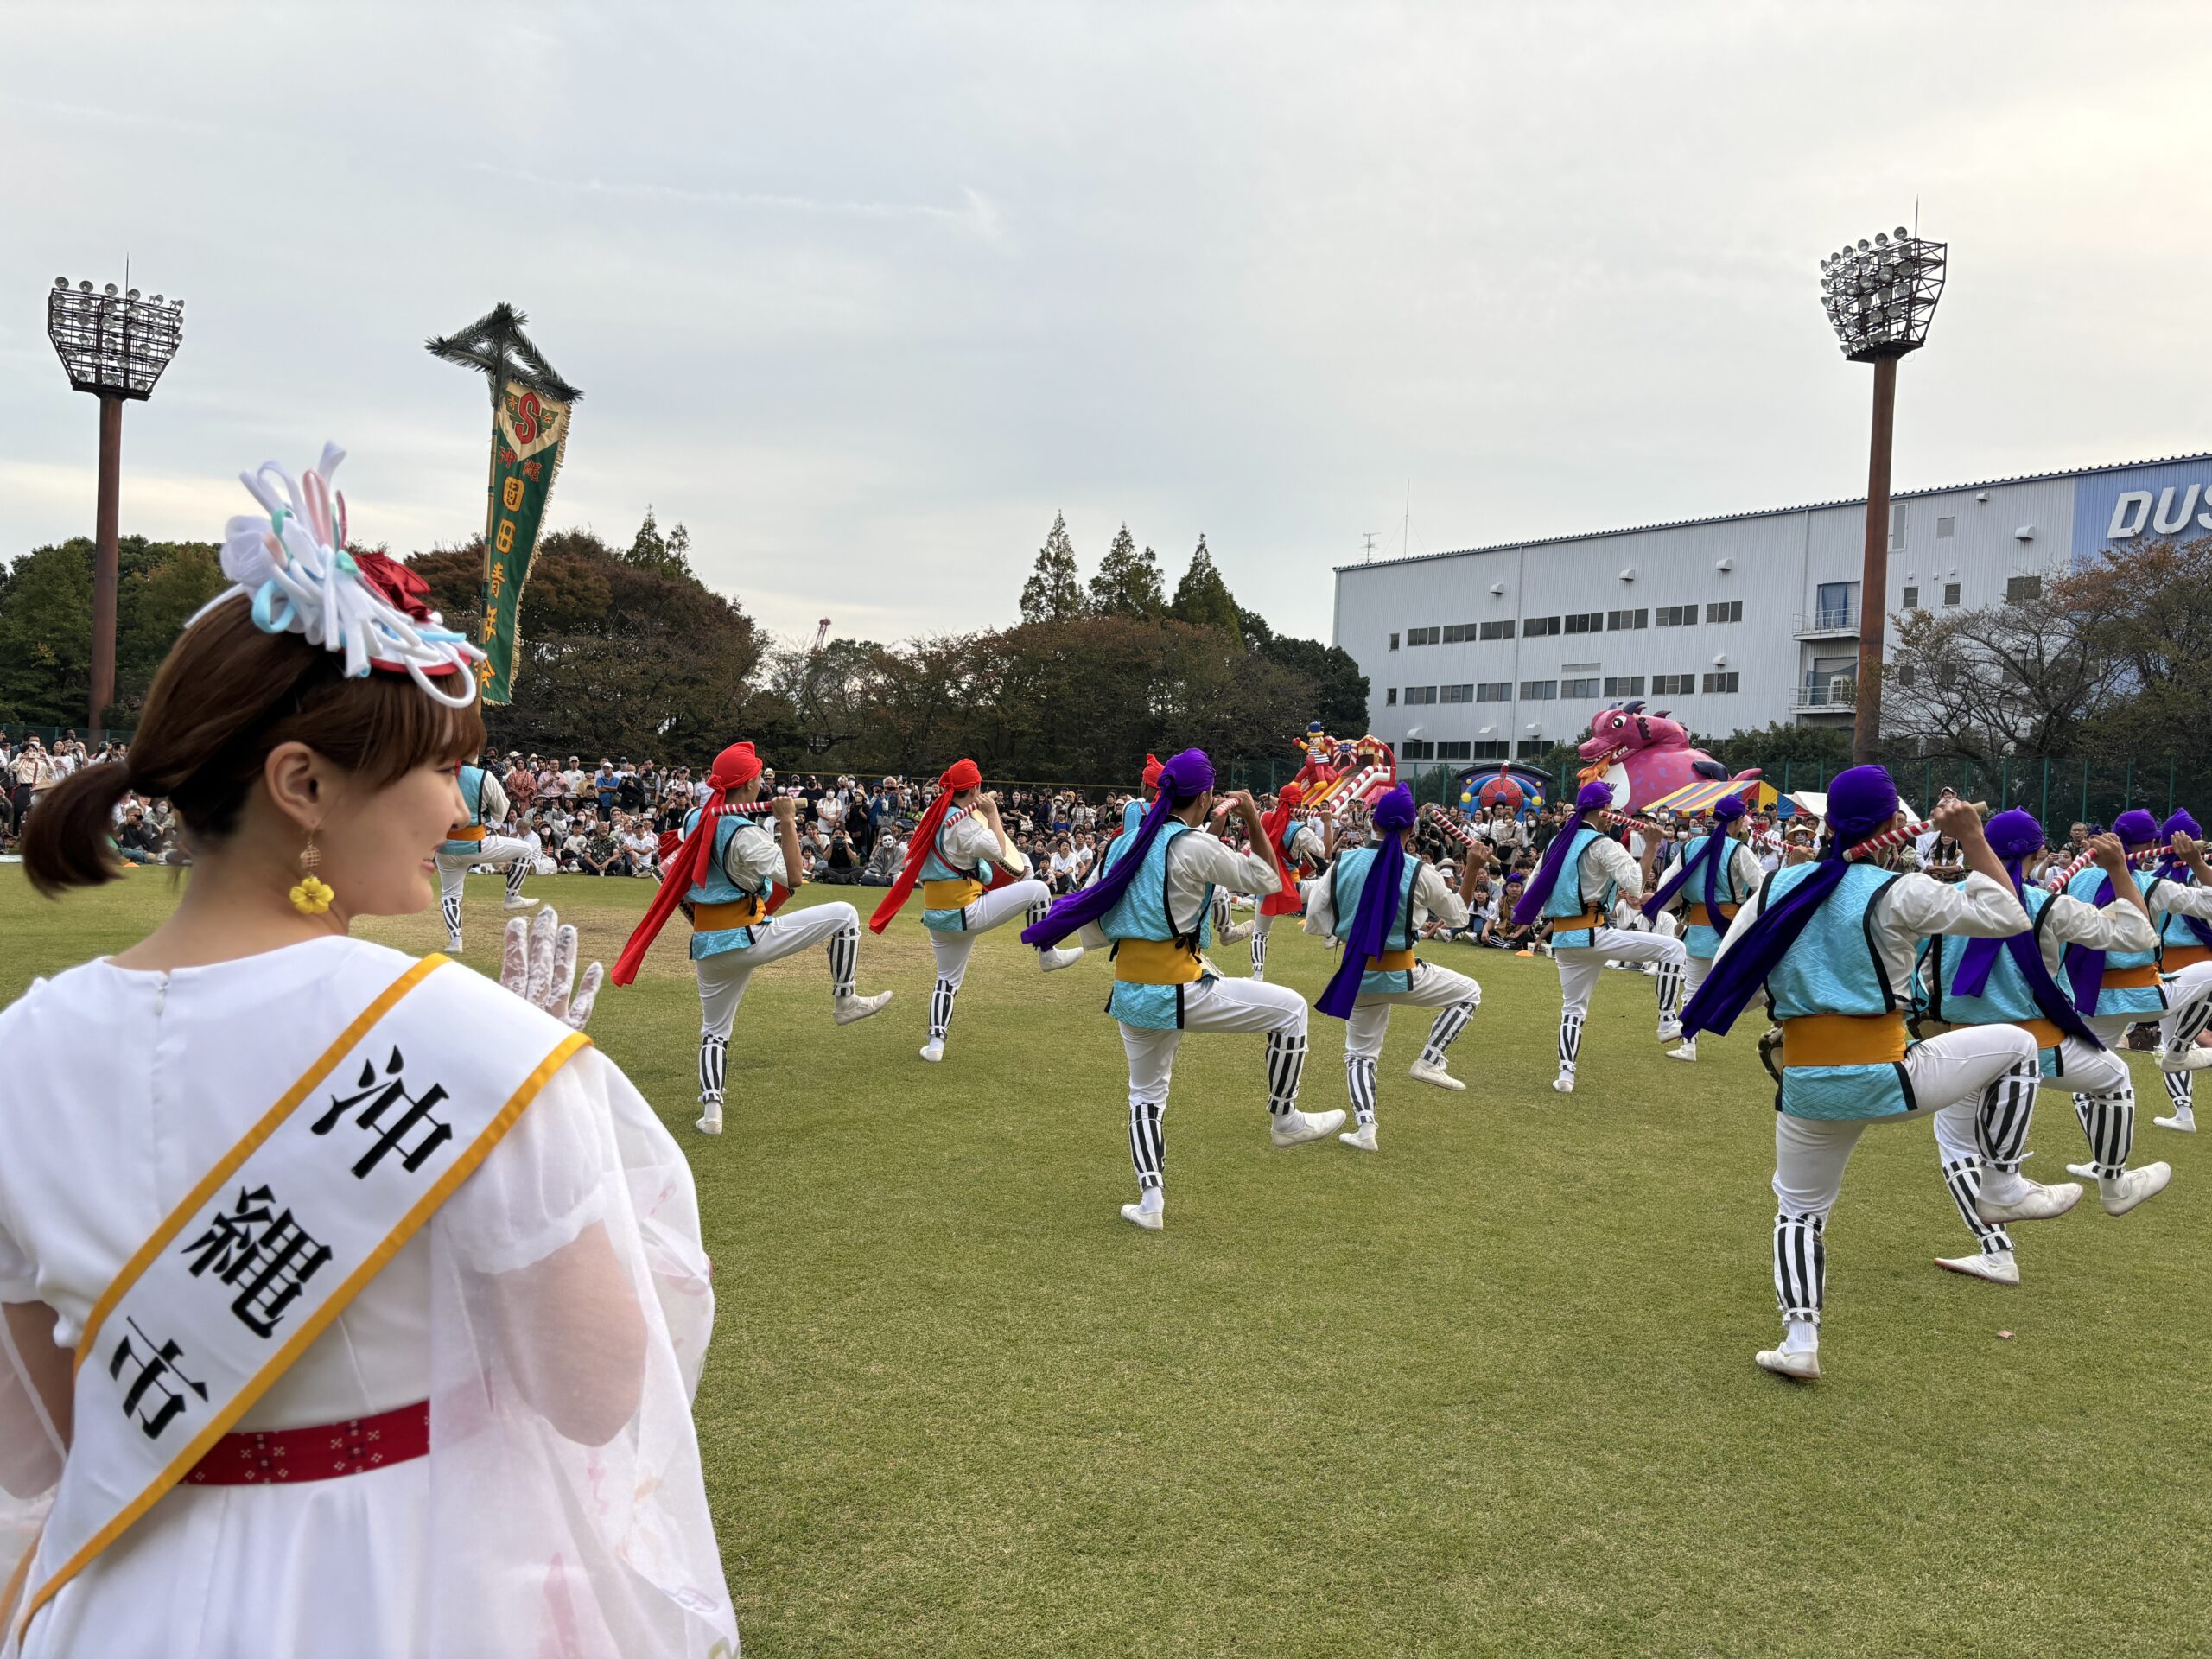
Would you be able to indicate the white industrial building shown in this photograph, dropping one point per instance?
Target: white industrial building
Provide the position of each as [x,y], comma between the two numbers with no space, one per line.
[1730,623]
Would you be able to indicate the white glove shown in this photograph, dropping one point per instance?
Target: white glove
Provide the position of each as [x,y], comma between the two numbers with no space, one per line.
[539,966]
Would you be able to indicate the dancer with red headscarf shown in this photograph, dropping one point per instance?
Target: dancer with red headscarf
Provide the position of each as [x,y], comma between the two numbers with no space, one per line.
[957,839]
[1301,852]
[723,872]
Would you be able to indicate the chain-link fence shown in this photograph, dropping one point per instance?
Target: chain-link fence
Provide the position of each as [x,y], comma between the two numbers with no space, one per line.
[15,731]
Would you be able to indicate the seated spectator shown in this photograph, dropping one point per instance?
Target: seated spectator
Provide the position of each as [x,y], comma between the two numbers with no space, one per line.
[885,862]
[842,862]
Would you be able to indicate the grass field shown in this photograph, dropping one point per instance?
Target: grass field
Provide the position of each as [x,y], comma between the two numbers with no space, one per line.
[1490,1392]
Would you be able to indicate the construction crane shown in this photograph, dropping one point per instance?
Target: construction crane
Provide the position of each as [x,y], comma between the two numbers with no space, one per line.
[820,634]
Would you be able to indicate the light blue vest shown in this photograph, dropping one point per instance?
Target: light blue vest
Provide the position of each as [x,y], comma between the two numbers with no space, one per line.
[2144,1000]
[1566,895]
[718,889]
[937,868]
[472,797]
[1133,816]
[1141,913]
[2005,1001]
[1702,941]
[1347,881]
[1832,967]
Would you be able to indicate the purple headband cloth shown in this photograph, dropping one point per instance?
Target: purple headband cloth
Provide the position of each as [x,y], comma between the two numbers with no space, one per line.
[1861,803]
[1182,780]
[2170,868]
[1594,797]
[1378,900]
[2013,836]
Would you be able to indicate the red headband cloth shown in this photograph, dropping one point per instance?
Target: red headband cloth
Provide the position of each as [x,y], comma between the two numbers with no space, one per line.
[1151,772]
[960,775]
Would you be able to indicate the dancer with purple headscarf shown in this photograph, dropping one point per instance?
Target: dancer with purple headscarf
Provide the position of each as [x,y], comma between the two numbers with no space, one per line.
[1719,871]
[2184,942]
[1155,904]
[1584,871]
[1982,982]
[1833,942]
[1372,900]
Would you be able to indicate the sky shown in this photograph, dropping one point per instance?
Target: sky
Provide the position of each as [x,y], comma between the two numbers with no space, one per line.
[865,295]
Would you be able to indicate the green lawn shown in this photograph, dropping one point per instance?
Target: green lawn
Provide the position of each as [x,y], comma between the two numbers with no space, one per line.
[1488,1392]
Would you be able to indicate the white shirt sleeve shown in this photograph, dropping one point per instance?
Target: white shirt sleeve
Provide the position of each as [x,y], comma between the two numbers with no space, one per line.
[1976,908]
[753,858]
[1304,843]
[1196,862]
[1606,860]
[1748,871]
[490,800]
[2171,898]
[2118,926]
[970,840]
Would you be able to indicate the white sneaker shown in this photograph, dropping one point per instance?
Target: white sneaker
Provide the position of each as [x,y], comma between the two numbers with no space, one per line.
[1564,1082]
[2039,1203]
[453,943]
[2191,1058]
[1059,956]
[933,1050]
[513,903]
[1686,1050]
[1363,1137]
[712,1123]
[2134,1187]
[1802,1364]
[1670,1031]
[1237,933]
[1295,1128]
[1997,1267]
[2183,1122]
[2082,1172]
[1151,1220]
[1422,1072]
[850,1008]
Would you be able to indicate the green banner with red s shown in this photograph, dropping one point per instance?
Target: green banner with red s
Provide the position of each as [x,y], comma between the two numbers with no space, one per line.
[530,434]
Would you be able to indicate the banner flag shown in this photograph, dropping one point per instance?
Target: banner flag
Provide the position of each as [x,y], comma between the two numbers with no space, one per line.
[530,435]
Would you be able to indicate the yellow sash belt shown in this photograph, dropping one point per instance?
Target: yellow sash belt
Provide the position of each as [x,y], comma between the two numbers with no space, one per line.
[2176,957]
[1154,961]
[1391,962]
[474,832]
[2145,978]
[951,895]
[1587,921]
[1843,1039]
[1699,917]
[713,919]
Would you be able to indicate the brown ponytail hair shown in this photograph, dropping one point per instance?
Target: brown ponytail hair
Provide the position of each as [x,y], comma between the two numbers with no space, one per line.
[226,696]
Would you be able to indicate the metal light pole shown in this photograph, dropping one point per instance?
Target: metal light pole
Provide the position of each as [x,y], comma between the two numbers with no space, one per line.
[115,346]
[1879,297]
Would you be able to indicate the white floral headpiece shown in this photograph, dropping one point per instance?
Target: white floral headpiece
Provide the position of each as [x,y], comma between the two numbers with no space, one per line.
[292,565]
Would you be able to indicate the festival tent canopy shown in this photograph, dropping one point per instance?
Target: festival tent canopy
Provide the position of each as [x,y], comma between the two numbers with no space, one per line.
[1815,803]
[1701,795]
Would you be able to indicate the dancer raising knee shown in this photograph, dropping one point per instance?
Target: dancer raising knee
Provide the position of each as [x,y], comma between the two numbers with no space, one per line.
[471,843]
[1831,942]
[723,872]
[956,838]
[1373,899]
[1719,871]
[2184,943]
[1583,872]
[1156,905]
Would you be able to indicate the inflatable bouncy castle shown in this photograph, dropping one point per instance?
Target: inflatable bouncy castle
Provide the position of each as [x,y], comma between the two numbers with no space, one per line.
[1338,771]
[1645,756]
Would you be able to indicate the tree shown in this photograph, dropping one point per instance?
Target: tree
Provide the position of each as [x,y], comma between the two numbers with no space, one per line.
[46,624]
[651,550]
[2022,677]
[1340,690]
[1128,582]
[2148,614]
[1202,598]
[1774,745]
[1053,591]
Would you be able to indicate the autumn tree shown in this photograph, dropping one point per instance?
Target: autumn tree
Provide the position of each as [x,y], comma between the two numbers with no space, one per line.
[1202,598]
[1128,582]
[1053,591]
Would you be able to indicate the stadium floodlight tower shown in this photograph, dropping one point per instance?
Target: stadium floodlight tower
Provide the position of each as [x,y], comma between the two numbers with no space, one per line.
[1879,297]
[114,346]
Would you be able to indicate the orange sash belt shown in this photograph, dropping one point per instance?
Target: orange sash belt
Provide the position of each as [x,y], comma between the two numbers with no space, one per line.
[713,919]
[1699,917]
[2045,1032]
[1587,921]
[474,832]
[1843,1039]
[2145,978]
[1391,962]
[2178,957]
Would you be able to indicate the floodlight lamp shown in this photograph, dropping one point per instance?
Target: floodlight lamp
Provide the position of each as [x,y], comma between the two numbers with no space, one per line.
[1903,234]
[1881,239]
[61,281]
[84,288]
[1862,244]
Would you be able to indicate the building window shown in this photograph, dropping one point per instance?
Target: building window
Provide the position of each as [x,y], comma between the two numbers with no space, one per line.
[1422,636]
[1897,528]
[1454,633]
[1390,698]
[1912,599]
[1905,674]
[1583,688]
[1394,642]
[1677,616]
[1950,593]
[1725,610]
[1536,627]
[1416,749]
[1453,750]
[1673,685]
[1836,605]
[1493,691]
[1532,748]
[1485,749]
[1624,685]
[1722,682]
[1459,693]
[1498,630]
[1587,622]
[1539,690]
[1628,619]
[1419,694]
[2019,589]
[1946,528]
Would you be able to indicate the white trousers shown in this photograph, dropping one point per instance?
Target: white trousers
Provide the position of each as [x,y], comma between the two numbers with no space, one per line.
[453,868]
[2189,1008]
[723,978]
[1432,987]
[1979,1084]
[1249,1005]
[1578,968]
[995,909]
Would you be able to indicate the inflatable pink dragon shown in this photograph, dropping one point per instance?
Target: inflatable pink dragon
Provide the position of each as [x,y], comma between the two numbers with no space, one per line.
[1645,756]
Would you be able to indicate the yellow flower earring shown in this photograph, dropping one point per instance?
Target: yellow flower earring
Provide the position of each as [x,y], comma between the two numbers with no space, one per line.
[311,897]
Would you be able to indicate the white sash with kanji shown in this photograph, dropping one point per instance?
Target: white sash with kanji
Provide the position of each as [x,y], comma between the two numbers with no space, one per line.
[273,1242]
